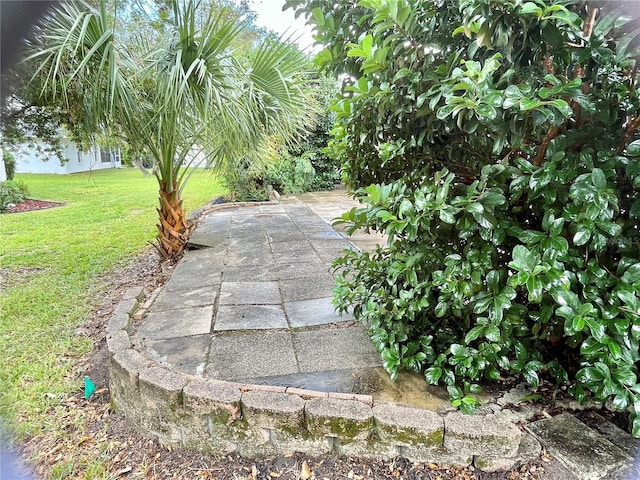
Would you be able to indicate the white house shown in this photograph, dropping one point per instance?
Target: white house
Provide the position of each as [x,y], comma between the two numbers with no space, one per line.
[30,160]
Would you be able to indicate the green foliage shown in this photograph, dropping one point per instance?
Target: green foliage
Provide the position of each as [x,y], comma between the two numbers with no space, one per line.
[29,115]
[496,144]
[245,181]
[11,193]
[9,163]
[299,167]
[249,180]
[314,149]
[289,174]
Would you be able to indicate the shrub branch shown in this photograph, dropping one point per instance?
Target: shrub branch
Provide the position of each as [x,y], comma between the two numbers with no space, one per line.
[632,128]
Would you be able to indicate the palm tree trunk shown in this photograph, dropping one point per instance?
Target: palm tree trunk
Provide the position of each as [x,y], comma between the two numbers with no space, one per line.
[173,229]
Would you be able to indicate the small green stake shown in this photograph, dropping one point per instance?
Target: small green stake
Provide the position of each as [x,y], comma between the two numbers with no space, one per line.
[89,387]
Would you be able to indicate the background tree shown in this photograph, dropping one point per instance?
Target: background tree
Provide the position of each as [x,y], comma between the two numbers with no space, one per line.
[496,143]
[297,168]
[184,88]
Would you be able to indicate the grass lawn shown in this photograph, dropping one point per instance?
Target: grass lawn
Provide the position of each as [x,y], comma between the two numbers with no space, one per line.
[49,261]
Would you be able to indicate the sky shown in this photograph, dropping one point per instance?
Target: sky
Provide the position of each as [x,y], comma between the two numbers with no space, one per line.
[271,16]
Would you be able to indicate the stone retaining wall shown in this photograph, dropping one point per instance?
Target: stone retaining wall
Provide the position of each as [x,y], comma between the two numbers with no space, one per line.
[257,420]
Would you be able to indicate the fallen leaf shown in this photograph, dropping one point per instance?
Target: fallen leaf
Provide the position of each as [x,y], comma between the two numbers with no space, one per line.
[126,469]
[54,450]
[305,471]
[275,474]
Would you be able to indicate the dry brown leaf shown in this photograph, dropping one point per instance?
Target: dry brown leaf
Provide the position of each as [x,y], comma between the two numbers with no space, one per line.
[305,471]
[54,450]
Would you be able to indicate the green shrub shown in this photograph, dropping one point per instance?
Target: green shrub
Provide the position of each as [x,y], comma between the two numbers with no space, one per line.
[314,148]
[296,168]
[244,181]
[496,144]
[11,193]
[9,164]
[289,174]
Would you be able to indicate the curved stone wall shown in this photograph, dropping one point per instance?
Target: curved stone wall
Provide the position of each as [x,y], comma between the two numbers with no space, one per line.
[258,420]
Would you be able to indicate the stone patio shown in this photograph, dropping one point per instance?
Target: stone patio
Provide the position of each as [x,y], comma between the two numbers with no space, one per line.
[243,344]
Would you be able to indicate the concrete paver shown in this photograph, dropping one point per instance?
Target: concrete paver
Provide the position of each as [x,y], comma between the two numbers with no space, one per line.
[179,299]
[184,280]
[327,380]
[316,311]
[335,349]
[250,293]
[251,273]
[311,266]
[186,355]
[250,317]
[172,324]
[588,455]
[307,288]
[207,239]
[251,354]
[304,256]
[259,275]
[248,257]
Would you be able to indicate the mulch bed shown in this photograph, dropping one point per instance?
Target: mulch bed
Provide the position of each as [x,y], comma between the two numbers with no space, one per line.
[30,205]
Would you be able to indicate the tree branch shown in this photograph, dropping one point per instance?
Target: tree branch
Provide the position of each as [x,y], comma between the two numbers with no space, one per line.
[553,132]
[579,71]
[542,151]
[587,29]
[632,128]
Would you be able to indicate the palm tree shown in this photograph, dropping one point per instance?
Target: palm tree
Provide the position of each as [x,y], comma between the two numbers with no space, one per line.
[185,88]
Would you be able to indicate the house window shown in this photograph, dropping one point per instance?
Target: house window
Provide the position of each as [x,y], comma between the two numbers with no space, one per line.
[79,157]
[105,155]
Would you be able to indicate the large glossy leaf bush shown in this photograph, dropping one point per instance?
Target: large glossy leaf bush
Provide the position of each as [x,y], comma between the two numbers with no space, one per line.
[496,144]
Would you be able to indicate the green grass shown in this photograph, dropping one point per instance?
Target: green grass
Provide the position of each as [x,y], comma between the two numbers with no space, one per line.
[51,260]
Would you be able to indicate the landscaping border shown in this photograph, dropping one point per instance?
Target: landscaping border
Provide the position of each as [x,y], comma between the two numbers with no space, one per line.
[259,420]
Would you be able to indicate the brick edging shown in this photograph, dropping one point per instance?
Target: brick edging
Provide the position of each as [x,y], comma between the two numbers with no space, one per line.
[259,420]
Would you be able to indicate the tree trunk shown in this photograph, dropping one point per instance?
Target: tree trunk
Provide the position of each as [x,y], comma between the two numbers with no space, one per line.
[173,229]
